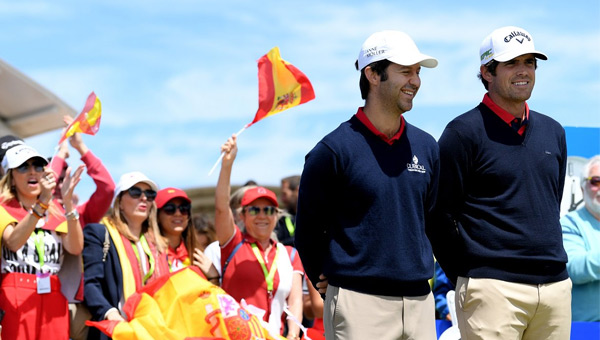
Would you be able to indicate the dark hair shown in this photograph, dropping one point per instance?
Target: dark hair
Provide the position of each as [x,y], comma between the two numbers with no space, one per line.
[204,225]
[491,68]
[378,67]
[189,238]
[250,182]
[292,181]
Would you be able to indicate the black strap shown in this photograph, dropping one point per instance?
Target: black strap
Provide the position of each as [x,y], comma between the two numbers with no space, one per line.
[237,247]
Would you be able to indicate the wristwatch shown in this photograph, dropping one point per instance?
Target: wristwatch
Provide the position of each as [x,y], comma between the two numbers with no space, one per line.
[73,215]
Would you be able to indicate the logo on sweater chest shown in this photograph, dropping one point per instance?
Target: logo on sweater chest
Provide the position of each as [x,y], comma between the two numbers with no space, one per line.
[415,166]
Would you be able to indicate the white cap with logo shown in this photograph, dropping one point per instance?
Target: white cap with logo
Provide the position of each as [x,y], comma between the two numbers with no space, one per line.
[506,43]
[18,155]
[394,46]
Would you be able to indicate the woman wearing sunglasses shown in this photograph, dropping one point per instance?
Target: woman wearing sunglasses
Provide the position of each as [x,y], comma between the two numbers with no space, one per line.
[256,268]
[123,253]
[174,208]
[36,232]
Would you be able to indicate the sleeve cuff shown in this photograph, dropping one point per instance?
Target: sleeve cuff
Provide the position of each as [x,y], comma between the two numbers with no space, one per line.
[113,309]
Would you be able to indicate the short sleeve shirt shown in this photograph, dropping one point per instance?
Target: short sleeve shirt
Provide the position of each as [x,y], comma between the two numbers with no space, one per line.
[244,277]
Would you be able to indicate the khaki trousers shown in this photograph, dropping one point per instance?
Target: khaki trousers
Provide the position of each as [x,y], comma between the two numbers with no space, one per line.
[493,309]
[78,314]
[351,315]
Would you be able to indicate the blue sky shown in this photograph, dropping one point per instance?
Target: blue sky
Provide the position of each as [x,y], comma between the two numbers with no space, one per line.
[176,78]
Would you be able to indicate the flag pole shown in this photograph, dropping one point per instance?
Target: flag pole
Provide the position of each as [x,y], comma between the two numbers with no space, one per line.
[291,316]
[49,166]
[223,154]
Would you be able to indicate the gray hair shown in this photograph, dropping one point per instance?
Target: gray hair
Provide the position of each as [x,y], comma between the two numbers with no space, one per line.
[587,168]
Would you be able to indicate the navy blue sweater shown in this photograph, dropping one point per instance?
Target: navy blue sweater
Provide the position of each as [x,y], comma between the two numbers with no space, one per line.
[499,199]
[361,210]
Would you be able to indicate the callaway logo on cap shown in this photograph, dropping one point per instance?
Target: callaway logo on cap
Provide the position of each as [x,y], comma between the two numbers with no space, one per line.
[506,43]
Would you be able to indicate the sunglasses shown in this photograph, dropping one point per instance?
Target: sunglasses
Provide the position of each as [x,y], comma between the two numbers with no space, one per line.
[171,208]
[24,168]
[594,180]
[136,192]
[253,211]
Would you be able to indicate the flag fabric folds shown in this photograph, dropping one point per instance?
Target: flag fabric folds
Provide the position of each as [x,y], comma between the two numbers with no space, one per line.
[88,121]
[280,86]
[183,305]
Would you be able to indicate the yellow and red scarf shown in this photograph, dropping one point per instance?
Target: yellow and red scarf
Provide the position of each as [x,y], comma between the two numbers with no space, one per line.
[132,272]
[178,257]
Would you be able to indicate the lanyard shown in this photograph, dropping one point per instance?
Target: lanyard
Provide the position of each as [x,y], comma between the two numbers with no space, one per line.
[38,240]
[146,248]
[290,226]
[269,275]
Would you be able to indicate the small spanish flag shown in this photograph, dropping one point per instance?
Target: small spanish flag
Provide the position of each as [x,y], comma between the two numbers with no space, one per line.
[88,121]
[280,86]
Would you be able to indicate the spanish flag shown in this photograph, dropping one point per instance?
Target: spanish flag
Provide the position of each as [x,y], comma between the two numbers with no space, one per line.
[280,86]
[88,121]
[183,305]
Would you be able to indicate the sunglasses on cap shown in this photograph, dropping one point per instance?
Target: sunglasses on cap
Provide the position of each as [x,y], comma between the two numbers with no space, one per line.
[594,180]
[38,166]
[253,211]
[136,192]
[171,208]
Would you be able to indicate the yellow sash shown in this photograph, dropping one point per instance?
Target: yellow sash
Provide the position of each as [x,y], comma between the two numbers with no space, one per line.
[128,278]
[6,219]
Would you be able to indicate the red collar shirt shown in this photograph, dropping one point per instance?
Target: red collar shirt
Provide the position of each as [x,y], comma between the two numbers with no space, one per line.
[365,120]
[518,124]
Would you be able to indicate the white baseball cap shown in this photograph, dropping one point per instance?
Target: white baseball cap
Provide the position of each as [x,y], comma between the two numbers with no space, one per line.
[130,179]
[506,43]
[394,46]
[18,155]
[7,142]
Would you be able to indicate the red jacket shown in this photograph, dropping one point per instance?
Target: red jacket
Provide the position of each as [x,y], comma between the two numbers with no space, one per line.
[94,209]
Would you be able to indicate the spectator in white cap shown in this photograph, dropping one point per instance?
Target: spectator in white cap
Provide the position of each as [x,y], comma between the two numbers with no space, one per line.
[365,194]
[36,232]
[496,231]
[124,252]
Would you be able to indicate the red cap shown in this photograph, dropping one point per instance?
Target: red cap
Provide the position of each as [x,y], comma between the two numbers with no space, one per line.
[165,195]
[255,193]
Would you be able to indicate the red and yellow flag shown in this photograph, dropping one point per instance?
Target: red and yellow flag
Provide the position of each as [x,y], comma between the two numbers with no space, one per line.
[183,305]
[88,121]
[280,86]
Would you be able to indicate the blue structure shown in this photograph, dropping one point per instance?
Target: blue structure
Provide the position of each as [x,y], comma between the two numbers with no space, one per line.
[583,141]
[579,330]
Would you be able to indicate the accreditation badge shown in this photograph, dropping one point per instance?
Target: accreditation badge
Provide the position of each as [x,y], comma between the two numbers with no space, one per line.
[43,283]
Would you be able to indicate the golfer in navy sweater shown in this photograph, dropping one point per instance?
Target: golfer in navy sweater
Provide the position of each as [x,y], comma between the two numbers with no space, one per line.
[501,183]
[365,192]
